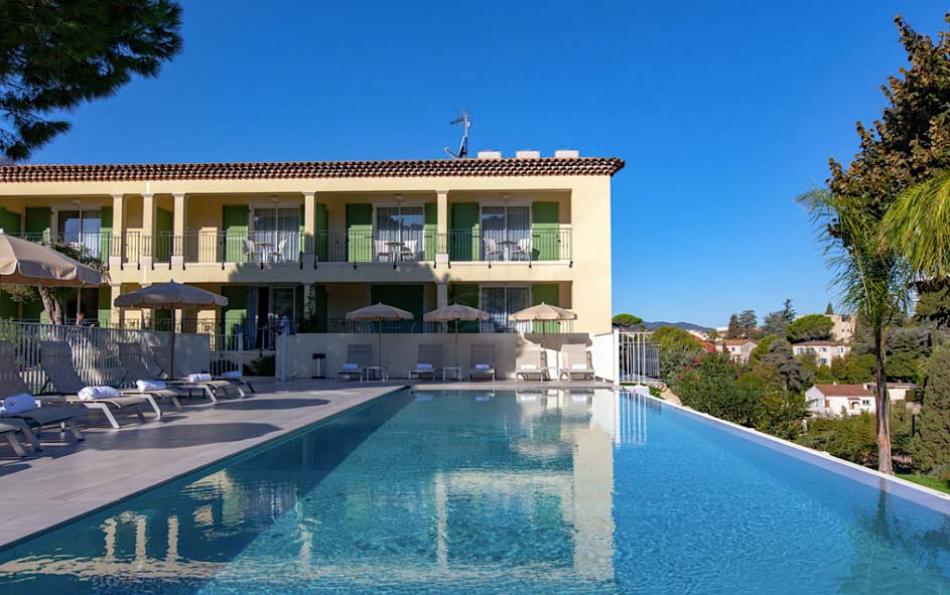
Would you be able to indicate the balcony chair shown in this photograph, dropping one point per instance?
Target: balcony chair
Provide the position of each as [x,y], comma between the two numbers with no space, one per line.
[381,248]
[492,251]
[408,251]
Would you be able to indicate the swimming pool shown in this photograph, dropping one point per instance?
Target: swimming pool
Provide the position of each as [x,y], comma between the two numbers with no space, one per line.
[546,491]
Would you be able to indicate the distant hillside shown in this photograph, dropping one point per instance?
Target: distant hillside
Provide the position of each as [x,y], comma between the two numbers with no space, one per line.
[688,326]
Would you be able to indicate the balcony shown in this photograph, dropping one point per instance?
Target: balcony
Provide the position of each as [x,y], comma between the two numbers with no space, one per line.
[94,246]
[354,247]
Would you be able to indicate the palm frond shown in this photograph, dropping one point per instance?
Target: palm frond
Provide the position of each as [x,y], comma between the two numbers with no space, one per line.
[917,226]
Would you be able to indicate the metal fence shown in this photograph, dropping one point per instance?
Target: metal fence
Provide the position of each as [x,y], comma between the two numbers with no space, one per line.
[638,358]
[95,350]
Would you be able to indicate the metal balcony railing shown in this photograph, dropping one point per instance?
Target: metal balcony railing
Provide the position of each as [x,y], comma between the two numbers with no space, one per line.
[526,246]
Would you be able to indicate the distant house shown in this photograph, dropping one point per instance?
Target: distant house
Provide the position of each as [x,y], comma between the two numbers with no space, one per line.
[843,329]
[824,351]
[836,400]
[739,350]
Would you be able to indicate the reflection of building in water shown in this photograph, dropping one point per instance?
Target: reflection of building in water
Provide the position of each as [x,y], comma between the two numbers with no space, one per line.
[498,488]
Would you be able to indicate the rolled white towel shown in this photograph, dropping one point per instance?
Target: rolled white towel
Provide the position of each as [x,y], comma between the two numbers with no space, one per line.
[91,393]
[231,375]
[350,367]
[199,378]
[18,403]
[578,366]
[529,367]
[421,366]
[482,367]
[147,385]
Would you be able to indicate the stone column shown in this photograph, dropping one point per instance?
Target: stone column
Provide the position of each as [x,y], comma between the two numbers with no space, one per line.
[148,242]
[179,227]
[308,241]
[117,252]
[442,294]
[442,226]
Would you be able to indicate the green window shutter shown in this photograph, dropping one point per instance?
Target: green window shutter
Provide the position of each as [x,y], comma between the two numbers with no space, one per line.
[463,242]
[303,220]
[33,311]
[234,314]
[105,306]
[545,239]
[547,293]
[359,232]
[105,237]
[430,230]
[164,224]
[234,225]
[320,308]
[9,222]
[37,226]
[298,303]
[465,294]
[320,227]
[407,297]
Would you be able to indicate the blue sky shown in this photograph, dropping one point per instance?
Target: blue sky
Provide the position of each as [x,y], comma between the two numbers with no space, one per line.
[723,111]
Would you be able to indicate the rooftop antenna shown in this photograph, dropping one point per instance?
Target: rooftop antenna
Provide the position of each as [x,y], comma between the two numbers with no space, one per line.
[466,121]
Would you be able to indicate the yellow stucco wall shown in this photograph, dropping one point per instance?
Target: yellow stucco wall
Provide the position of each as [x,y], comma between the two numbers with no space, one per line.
[584,207]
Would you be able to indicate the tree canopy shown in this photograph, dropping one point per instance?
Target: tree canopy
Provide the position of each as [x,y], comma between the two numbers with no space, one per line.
[813,327]
[627,321]
[55,55]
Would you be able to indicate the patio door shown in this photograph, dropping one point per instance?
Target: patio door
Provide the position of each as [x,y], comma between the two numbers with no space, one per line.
[399,233]
[506,232]
[80,229]
[502,301]
[276,233]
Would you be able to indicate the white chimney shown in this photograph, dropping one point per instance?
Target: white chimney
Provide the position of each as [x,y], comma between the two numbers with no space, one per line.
[567,154]
[489,154]
[529,154]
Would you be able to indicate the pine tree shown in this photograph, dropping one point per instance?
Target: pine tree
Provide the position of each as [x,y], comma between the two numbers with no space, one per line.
[930,447]
[829,311]
[734,330]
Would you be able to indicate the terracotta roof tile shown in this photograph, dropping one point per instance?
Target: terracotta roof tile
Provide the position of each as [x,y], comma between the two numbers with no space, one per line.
[543,166]
[843,390]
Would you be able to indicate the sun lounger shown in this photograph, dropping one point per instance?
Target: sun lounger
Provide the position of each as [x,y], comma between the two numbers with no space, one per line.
[358,358]
[11,383]
[9,430]
[531,365]
[130,356]
[429,362]
[483,362]
[576,363]
[56,359]
[213,388]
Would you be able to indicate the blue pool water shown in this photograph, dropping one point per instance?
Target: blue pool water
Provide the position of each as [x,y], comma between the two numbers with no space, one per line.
[502,492]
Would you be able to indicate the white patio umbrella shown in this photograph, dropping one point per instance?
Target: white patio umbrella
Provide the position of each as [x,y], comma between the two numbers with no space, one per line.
[543,313]
[28,263]
[378,313]
[170,296]
[456,312]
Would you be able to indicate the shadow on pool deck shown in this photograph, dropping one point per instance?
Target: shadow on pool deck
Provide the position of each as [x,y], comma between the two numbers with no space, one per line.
[175,436]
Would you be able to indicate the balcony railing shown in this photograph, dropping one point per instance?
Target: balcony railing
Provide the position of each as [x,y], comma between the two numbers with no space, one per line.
[270,248]
[508,246]
[89,245]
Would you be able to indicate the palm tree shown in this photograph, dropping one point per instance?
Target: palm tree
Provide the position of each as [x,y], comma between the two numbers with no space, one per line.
[917,226]
[872,280]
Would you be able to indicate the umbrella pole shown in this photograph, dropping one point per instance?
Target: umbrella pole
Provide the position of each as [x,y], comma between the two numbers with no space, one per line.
[171,342]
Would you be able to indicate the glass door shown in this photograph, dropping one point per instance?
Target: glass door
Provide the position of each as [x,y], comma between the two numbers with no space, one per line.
[502,302]
[276,234]
[399,233]
[506,232]
[80,230]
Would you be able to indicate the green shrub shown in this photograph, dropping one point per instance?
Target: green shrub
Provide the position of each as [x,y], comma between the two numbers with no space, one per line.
[930,447]
[813,327]
[265,365]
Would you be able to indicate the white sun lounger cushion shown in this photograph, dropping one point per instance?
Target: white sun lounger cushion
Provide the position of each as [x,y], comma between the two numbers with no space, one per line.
[350,367]
[91,393]
[578,366]
[529,367]
[423,366]
[18,403]
[231,375]
[147,385]
[482,367]
[199,378]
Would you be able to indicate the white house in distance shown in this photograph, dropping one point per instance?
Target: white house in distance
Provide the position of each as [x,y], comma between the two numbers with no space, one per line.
[739,350]
[836,400]
[824,351]
[843,329]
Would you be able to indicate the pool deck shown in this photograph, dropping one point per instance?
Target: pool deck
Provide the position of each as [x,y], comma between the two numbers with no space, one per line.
[68,480]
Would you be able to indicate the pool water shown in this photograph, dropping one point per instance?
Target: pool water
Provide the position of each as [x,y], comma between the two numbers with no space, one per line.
[547,491]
